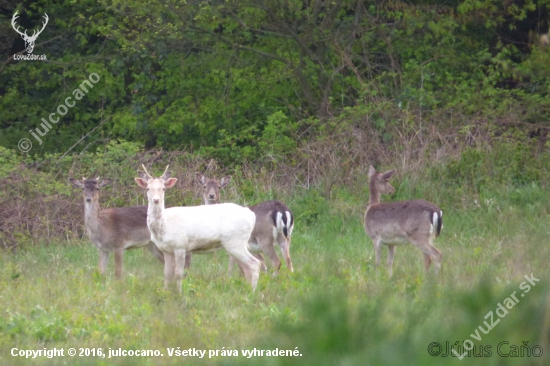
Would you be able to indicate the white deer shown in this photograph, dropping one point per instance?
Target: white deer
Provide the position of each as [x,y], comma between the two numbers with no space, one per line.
[114,230]
[199,229]
[29,40]
[397,223]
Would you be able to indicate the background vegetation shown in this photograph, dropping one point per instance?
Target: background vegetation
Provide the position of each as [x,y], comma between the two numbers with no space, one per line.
[294,99]
[238,79]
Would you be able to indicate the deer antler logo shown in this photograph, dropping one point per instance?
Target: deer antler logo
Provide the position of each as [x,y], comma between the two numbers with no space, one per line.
[29,40]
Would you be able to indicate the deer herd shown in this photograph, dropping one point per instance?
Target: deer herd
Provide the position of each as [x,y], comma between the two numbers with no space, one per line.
[173,234]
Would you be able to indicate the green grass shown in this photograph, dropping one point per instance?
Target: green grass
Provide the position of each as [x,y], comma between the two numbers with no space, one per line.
[337,308]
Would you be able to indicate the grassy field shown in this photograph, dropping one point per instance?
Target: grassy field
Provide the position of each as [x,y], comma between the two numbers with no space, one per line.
[336,309]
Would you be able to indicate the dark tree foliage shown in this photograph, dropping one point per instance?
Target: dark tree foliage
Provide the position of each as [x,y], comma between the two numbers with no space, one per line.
[229,77]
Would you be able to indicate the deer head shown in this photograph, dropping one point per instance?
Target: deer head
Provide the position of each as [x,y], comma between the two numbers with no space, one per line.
[155,186]
[90,187]
[29,40]
[211,188]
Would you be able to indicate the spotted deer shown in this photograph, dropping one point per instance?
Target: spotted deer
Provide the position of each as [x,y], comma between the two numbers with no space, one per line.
[178,231]
[113,230]
[398,223]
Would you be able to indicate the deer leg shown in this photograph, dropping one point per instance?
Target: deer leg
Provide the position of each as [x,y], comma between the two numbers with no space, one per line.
[266,244]
[168,269]
[245,269]
[230,265]
[103,259]
[253,266]
[249,264]
[118,263]
[156,251]
[377,246]
[391,252]
[284,244]
[232,260]
[179,255]
[436,257]
[432,252]
[188,262]
[260,257]
[427,262]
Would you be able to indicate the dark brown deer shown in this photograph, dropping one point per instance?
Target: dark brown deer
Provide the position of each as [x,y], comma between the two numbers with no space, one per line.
[114,230]
[397,223]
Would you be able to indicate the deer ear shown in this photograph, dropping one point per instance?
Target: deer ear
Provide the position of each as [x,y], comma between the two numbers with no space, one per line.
[141,182]
[372,171]
[169,183]
[77,183]
[104,182]
[387,175]
[201,179]
[225,181]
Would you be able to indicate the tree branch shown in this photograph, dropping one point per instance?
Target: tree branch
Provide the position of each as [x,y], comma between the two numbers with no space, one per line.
[228,42]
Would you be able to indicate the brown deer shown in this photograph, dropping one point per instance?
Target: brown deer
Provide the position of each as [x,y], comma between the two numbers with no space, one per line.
[397,223]
[114,229]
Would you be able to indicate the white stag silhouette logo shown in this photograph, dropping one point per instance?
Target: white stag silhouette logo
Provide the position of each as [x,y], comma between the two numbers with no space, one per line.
[29,40]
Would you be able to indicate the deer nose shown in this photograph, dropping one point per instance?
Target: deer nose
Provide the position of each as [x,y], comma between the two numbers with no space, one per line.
[88,199]
[211,195]
[156,200]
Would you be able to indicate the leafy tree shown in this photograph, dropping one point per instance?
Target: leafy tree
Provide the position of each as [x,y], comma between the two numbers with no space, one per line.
[218,76]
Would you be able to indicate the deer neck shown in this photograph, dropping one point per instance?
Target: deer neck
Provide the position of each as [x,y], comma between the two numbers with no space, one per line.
[155,219]
[374,194]
[92,219]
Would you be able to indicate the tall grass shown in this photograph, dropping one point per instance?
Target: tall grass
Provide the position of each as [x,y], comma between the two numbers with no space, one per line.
[337,308]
